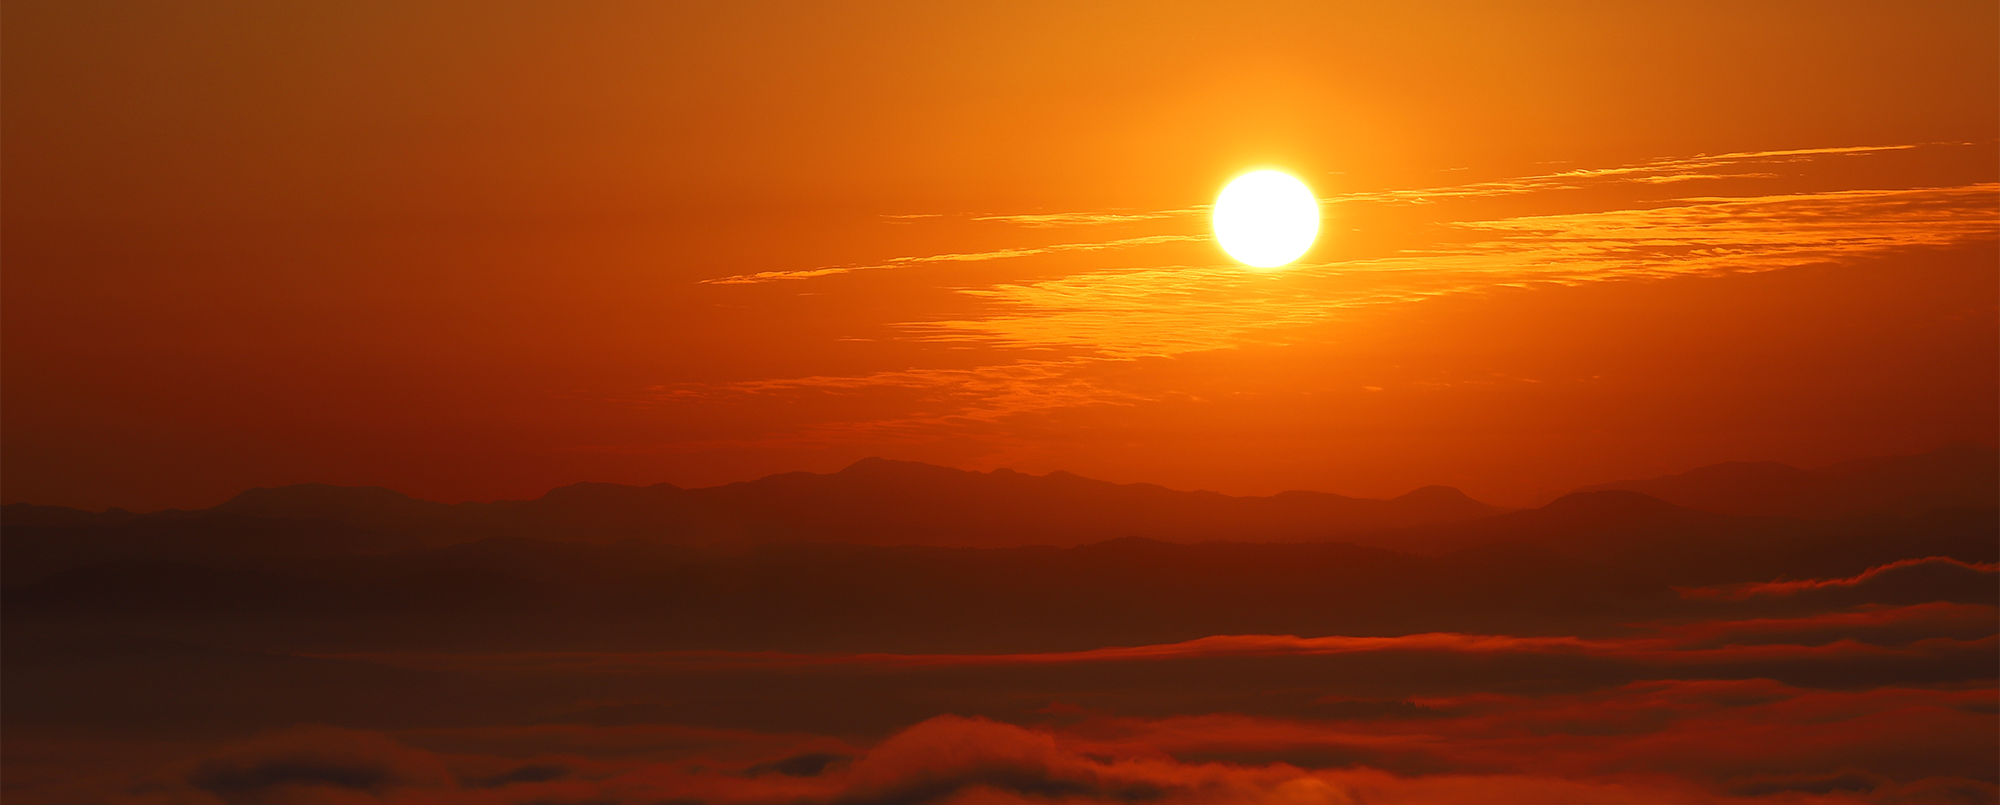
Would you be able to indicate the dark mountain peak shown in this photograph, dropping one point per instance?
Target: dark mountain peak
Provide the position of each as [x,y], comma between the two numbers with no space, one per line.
[879,475]
[1610,504]
[879,466]
[1957,475]
[916,477]
[1579,523]
[1436,495]
[1438,503]
[1072,483]
[1303,495]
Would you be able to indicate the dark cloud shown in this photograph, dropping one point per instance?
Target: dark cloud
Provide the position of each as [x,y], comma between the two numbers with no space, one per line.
[310,756]
[532,773]
[1690,743]
[1839,781]
[1909,581]
[948,754]
[811,764]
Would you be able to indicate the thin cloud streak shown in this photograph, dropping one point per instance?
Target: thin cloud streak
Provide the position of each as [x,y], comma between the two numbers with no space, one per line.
[1653,172]
[1786,589]
[1659,171]
[1061,219]
[1698,644]
[967,257]
[1158,312]
[1163,311]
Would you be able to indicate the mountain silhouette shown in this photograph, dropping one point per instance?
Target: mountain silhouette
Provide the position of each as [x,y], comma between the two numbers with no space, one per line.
[1581,565]
[878,501]
[1960,475]
[874,501]
[1643,534]
[1710,525]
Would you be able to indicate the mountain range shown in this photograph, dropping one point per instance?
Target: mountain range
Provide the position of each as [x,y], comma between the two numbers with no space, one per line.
[1959,475]
[882,502]
[874,501]
[620,605]
[888,554]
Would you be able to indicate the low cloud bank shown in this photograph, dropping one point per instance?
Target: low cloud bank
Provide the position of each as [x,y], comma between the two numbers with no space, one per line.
[1667,741]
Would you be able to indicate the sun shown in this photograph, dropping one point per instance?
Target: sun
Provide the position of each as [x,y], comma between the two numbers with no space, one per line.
[1266,218]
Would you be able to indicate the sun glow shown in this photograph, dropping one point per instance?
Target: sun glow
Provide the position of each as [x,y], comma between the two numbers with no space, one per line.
[1266,218]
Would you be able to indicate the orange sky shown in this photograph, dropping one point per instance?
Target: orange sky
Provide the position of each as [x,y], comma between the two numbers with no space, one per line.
[480,250]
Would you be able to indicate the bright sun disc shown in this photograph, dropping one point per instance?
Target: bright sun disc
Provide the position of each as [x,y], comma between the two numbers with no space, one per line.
[1266,218]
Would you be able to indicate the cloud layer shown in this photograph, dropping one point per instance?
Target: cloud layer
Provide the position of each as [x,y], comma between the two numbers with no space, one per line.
[1854,698]
[1663,741]
[1058,337]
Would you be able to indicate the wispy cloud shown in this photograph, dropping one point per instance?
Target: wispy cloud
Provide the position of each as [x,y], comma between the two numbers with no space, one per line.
[962,257]
[1661,171]
[1658,171]
[1060,327]
[1166,311]
[1931,566]
[1707,643]
[1052,220]
[1657,742]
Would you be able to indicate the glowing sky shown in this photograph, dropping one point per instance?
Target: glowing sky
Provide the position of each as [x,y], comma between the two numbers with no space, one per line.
[477,251]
